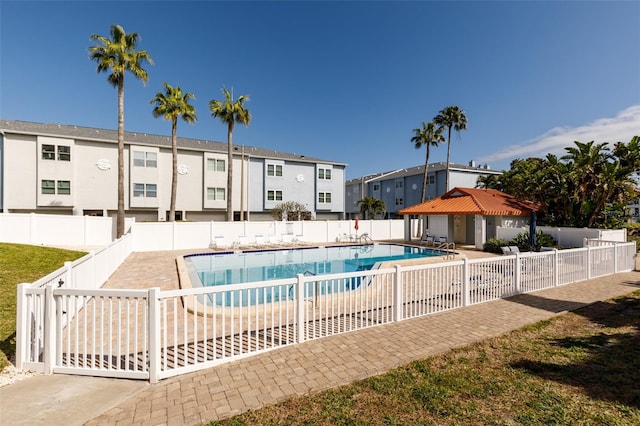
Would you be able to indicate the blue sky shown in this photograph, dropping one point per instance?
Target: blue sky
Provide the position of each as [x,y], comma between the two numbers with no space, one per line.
[343,81]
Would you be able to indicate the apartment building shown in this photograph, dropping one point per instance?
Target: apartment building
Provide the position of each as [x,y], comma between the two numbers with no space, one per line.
[403,188]
[66,169]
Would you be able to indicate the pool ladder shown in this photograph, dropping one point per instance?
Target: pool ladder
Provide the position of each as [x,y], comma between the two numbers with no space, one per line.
[315,287]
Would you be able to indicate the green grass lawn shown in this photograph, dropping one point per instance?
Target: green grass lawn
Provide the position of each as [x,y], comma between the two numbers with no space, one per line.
[18,264]
[581,368]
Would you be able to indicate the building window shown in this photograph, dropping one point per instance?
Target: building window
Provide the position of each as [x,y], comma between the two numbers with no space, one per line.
[431,180]
[215,194]
[145,159]
[274,170]
[148,190]
[216,165]
[324,197]
[274,195]
[376,187]
[399,201]
[64,153]
[48,152]
[399,184]
[64,187]
[324,174]
[48,186]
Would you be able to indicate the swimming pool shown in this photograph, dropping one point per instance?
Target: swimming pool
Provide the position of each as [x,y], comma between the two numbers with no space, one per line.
[214,269]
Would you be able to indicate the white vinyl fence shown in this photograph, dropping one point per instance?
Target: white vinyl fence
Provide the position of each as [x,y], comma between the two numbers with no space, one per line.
[567,237]
[154,236]
[153,334]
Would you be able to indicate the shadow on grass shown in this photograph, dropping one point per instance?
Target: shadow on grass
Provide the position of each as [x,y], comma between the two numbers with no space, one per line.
[8,347]
[607,364]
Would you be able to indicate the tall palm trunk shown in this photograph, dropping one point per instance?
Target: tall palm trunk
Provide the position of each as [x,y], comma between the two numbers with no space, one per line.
[424,191]
[120,213]
[174,176]
[230,173]
[446,178]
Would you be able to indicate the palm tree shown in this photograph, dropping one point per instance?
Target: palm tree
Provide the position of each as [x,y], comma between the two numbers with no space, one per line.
[371,206]
[117,55]
[450,117]
[230,112]
[429,135]
[170,105]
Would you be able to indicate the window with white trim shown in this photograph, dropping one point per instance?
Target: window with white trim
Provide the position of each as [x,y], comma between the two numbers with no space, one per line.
[376,187]
[399,201]
[324,197]
[147,190]
[273,195]
[274,170]
[216,165]
[324,174]
[431,180]
[145,159]
[399,184]
[216,194]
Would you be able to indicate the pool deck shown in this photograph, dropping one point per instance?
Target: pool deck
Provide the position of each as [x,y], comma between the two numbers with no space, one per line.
[274,376]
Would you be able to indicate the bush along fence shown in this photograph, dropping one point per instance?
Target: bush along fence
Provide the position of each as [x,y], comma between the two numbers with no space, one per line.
[152,334]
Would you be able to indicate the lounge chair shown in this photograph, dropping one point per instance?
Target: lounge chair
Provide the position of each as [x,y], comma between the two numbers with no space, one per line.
[427,240]
[440,240]
[219,242]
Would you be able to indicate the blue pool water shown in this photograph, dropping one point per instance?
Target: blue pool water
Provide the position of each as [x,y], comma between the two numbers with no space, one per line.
[213,269]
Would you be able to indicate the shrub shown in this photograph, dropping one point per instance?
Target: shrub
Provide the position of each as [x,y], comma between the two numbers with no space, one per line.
[522,241]
[493,245]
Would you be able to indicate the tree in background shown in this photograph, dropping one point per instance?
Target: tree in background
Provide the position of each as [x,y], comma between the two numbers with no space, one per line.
[230,112]
[171,105]
[450,117]
[590,186]
[370,207]
[290,210]
[118,55]
[430,136]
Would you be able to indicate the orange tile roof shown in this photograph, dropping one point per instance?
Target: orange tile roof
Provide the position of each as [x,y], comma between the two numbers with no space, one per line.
[487,202]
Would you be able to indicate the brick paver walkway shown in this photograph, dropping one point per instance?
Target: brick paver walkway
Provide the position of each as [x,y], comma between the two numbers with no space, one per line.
[274,376]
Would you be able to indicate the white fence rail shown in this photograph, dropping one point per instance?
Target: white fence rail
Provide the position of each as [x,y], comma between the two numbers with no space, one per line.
[152,334]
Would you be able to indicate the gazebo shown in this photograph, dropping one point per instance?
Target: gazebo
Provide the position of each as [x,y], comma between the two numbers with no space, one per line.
[470,215]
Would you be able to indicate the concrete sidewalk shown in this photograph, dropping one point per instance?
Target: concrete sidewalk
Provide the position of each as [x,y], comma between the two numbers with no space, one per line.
[274,376]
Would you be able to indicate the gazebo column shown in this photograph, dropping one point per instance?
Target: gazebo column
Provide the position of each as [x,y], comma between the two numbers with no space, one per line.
[407,228]
[480,231]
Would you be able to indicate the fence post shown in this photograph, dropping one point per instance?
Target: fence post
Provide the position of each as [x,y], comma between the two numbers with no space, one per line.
[300,307]
[153,303]
[49,346]
[466,296]
[21,324]
[615,258]
[397,295]
[556,268]
[588,262]
[517,274]
[68,276]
